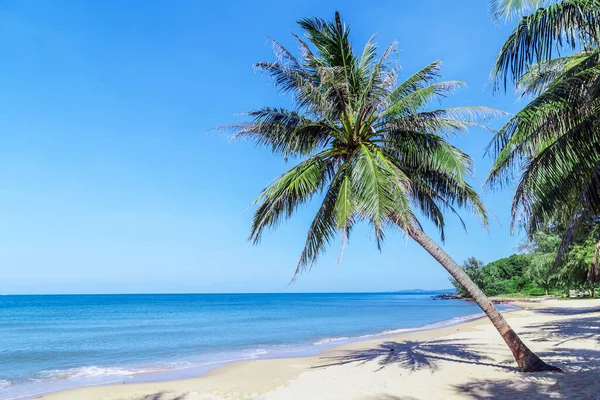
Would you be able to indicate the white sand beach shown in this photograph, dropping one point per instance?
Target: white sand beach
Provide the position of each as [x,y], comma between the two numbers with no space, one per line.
[466,361]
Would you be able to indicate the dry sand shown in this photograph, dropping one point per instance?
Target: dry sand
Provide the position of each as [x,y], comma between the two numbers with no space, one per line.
[467,361]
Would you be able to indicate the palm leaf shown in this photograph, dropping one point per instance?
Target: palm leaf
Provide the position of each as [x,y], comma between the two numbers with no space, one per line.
[540,35]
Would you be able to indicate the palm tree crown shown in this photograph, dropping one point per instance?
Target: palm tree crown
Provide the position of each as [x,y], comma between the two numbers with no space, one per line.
[370,150]
[553,143]
[366,143]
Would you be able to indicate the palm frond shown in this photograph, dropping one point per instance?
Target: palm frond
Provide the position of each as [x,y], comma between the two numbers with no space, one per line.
[289,191]
[345,211]
[381,189]
[566,105]
[540,76]
[324,227]
[446,121]
[418,80]
[417,99]
[284,132]
[508,9]
[541,35]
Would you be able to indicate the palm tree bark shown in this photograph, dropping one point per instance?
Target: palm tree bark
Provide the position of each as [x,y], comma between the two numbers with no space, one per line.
[525,358]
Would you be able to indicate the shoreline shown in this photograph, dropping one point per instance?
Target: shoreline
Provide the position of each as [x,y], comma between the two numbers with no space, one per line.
[282,364]
[467,360]
[293,351]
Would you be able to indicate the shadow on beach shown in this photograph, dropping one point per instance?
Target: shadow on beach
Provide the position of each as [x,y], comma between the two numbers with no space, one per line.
[581,366]
[163,396]
[574,360]
[568,330]
[582,385]
[567,311]
[414,355]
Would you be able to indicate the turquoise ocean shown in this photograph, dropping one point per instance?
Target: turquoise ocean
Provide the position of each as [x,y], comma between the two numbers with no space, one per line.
[56,342]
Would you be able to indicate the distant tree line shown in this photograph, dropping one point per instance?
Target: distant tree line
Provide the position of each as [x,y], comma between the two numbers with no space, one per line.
[538,268]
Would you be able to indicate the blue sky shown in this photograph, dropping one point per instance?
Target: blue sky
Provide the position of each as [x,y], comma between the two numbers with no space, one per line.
[112,182]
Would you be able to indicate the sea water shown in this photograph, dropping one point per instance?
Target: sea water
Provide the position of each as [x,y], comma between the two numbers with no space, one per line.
[55,342]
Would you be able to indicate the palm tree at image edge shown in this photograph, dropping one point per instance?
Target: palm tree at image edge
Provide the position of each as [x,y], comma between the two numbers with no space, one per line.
[553,143]
[369,150]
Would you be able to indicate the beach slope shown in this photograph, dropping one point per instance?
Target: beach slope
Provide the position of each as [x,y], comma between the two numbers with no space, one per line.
[466,361]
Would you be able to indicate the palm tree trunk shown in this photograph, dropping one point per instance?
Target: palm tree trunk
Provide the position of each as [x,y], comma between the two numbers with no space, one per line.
[525,358]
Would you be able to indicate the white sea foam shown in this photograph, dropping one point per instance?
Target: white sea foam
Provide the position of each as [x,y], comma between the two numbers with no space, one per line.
[253,353]
[331,340]
[175,365]
[90,372]
[95,373]
[4,384]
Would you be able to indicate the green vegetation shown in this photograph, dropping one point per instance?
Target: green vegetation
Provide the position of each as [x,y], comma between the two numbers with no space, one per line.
[535,272]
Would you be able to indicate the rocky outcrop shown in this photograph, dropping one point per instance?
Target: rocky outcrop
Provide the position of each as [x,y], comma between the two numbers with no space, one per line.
[447,296]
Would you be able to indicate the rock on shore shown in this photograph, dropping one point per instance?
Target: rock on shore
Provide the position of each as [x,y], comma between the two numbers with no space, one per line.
[447,296]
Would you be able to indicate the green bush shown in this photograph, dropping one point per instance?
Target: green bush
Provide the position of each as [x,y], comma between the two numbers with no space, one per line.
[535,272]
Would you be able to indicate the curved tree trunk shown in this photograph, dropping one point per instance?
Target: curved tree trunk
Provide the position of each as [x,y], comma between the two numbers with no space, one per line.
[525,358]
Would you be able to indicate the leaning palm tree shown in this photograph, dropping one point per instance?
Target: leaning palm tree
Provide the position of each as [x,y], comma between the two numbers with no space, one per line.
[553,143]
[368,151]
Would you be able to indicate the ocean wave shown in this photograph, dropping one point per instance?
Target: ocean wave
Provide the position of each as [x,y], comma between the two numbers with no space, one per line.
[255,352]
[92,371]
[4,384]
[331,340]
[99,373]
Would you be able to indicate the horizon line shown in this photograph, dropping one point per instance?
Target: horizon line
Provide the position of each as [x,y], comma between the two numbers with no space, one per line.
[221,293]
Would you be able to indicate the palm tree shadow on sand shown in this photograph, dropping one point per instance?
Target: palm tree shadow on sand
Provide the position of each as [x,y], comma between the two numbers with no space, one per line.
[414,355]
[568,330]
[568,311]
[163,396]
[583,385]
